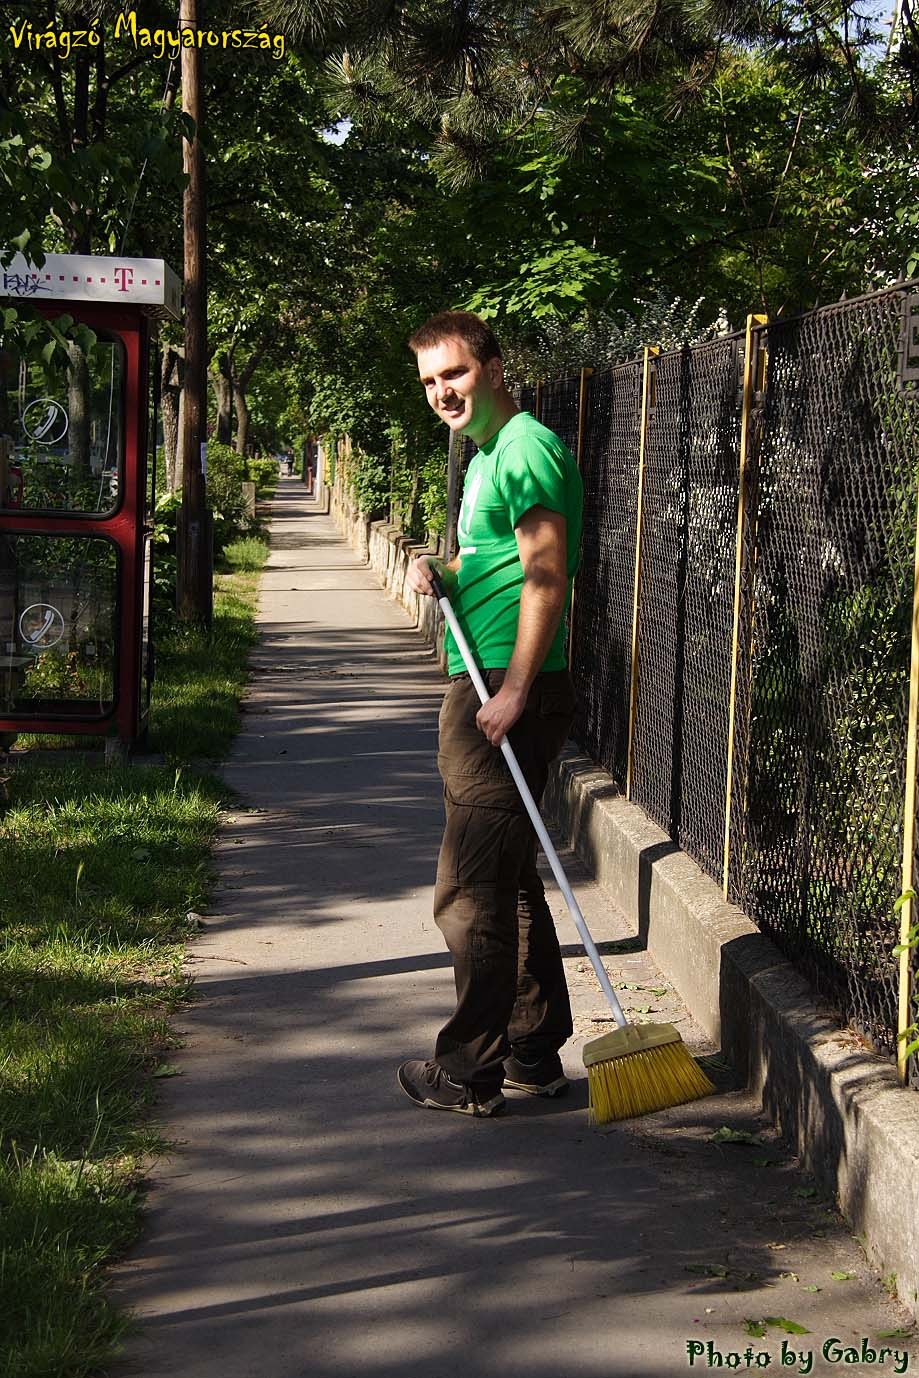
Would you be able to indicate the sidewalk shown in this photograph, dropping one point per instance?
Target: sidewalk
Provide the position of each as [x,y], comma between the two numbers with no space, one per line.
[314,1222]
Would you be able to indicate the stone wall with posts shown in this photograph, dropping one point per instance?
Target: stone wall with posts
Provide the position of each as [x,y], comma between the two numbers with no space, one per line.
[388,551]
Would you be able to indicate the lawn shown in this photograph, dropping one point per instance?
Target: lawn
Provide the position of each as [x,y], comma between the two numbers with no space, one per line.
[99,869]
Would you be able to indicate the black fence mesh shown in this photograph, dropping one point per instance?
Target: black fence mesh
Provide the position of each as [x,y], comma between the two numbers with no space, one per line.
[818,841]
[526,397]
[603,595]
[559,403]
[823,651]
[685,626]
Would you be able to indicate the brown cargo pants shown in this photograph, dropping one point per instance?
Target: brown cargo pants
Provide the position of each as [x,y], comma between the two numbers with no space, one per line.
[489,901]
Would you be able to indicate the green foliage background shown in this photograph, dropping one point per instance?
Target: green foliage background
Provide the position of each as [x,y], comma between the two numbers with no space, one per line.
[586,177]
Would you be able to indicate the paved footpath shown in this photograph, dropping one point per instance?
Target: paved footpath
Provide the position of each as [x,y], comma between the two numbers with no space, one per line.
[312,1222]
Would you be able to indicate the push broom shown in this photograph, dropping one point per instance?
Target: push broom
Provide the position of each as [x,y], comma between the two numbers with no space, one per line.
[639,1067]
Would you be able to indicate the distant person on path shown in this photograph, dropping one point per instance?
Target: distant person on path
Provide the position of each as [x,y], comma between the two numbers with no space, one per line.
[519,536]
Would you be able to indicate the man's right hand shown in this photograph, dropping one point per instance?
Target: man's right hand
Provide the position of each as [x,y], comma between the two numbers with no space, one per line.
[418,577]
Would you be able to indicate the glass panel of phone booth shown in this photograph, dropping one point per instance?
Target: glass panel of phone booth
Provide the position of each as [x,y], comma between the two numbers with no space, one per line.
[146,662]
[155,480]
[66,418]
[58,625]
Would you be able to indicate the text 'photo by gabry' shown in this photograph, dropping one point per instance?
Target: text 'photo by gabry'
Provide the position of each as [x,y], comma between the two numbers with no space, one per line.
[159,42]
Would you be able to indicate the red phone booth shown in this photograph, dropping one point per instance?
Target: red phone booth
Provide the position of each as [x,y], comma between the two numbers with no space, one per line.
[76,499]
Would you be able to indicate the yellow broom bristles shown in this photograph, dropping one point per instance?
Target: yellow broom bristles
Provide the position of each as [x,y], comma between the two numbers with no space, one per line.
[635,1083]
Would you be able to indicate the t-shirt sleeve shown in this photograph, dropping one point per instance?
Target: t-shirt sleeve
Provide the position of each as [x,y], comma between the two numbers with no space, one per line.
[531,474]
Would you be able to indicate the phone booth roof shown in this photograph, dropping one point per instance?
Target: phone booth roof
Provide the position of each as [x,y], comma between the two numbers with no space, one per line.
[145,282]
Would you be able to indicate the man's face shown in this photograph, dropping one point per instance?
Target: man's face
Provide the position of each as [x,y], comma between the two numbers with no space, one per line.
[462,391]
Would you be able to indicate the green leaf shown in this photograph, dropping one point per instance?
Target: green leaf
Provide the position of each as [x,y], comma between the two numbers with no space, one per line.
[899,903]
[168,1069]
[901,1334]
[811,1287]
[805,1192]
[724,1135]
[764,1162]
[85,338]
[843,1276]
[708,1270]
[790,1327]
[755,1328]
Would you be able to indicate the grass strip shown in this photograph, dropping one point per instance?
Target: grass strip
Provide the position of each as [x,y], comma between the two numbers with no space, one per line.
[200,680]
[98,871]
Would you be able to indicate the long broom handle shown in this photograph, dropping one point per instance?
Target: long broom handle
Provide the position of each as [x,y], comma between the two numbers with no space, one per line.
[514,766]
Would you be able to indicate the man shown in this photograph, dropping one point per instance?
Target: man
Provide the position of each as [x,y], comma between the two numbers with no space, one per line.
[519,534]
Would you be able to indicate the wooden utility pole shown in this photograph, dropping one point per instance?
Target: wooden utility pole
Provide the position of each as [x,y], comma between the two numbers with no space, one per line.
[194,536]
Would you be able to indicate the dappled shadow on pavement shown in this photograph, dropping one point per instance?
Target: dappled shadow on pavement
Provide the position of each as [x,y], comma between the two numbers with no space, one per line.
[313,1221]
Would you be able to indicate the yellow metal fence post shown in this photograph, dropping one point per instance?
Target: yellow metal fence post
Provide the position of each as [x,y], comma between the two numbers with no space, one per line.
[909,827]
[647,402]
[582,427]
[753,379]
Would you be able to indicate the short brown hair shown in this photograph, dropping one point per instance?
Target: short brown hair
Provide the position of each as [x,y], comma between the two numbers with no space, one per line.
[462,325]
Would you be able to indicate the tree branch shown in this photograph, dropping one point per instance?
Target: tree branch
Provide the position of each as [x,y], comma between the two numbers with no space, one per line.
[791,154]
[128,67]
[100,104]
[255,358]
[60,104]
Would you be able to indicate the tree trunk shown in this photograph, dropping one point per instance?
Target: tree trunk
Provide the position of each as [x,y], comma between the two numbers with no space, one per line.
[242,420]
[172,367]
[241,381]
[222,380]
[194,587]
[79,401]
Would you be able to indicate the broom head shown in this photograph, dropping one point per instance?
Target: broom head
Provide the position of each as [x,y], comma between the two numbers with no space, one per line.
[640,1068]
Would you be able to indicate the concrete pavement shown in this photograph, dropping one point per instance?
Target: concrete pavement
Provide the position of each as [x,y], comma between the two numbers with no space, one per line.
[312,1221]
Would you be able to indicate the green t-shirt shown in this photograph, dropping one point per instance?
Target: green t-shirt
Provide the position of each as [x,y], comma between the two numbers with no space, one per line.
[524,465]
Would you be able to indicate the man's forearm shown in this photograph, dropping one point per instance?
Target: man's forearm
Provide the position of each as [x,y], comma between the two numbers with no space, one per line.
[542,603]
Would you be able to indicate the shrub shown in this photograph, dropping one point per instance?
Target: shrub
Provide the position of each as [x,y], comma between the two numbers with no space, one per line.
[262,472]
[164,556]
[226,474]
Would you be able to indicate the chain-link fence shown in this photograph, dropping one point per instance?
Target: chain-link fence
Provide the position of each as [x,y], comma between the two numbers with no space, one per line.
[688,537]
[558,408]
[817,849]
[602,609]
[768,485]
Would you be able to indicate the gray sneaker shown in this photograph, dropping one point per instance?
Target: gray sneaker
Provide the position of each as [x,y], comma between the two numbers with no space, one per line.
[543,1078]
[427,1084]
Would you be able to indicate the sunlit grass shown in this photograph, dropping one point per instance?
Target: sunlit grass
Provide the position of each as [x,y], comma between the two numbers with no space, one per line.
[195,712]
[246,555]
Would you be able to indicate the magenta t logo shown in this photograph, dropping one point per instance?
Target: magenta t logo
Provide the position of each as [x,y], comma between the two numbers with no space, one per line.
[124,277]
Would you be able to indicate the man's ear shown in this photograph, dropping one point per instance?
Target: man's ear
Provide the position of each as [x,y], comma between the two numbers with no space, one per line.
[495,369]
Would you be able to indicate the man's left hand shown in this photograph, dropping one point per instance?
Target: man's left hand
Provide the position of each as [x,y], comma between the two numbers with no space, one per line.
[496,717]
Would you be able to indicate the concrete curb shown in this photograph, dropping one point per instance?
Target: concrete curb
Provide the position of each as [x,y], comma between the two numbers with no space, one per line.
[855,1129]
